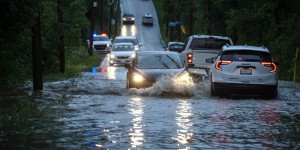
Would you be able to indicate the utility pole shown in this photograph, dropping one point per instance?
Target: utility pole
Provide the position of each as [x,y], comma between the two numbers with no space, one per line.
[115,14]
[92,21]
[110,19]
[37,61]
[101,16]
[61,37]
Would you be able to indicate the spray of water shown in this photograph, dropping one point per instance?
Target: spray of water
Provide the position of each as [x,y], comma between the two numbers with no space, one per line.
[174,84]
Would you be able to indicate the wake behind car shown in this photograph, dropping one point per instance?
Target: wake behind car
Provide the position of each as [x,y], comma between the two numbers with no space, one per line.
[121,53]
[148,66]
[244,70]
[100,43]
[128,39]
[128,18]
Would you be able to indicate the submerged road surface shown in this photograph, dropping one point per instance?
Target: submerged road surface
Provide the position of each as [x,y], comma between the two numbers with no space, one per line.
[96,111]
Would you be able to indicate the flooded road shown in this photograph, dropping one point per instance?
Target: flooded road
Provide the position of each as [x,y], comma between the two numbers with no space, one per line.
[95,111]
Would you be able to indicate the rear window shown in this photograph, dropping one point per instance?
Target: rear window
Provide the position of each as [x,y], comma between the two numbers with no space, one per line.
[246,55]
[159,61]
[208,43]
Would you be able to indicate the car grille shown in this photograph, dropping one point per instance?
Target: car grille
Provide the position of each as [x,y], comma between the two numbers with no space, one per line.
[100,47]
[123,57]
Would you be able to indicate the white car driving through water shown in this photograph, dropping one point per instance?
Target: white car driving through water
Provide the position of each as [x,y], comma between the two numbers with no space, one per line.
[244,70]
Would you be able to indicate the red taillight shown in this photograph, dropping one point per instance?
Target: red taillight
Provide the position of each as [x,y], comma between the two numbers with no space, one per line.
[190,58]
[270,64]
[222,62]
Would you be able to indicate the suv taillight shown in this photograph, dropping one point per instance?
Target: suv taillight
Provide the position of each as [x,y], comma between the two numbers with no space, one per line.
[222,62]
[190,58]
[270,64]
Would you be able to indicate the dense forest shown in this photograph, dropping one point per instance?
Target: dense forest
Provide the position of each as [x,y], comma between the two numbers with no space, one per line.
[272,23]
[64,28]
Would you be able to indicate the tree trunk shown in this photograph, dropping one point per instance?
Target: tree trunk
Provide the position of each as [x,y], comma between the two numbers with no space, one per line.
[61,38]
[37,63]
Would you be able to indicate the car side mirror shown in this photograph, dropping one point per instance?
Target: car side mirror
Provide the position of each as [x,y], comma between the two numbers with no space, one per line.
[190,66]
[210,60]
[140,44]
[128,66]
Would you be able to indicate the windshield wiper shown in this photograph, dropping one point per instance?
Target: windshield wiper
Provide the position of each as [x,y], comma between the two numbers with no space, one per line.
[163,63]
[177,65]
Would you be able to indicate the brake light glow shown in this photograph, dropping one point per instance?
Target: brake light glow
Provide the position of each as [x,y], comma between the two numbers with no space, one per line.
[222,62]
[190,58]
[270,64]
[103,34]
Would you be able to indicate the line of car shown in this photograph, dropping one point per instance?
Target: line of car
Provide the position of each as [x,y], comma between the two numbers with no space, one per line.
[231,69]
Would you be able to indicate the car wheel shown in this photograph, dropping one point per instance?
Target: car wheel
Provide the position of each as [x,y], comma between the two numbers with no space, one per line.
[272,95]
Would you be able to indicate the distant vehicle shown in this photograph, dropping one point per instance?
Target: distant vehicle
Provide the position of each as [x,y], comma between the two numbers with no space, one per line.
[128,18]
[244,70]
[128,39]
[147,19]
[198,48]
[101,43]
[175,46]
[148,66]
[121,53]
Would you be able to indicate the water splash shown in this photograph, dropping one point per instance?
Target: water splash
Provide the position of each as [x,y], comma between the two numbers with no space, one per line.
[173,84]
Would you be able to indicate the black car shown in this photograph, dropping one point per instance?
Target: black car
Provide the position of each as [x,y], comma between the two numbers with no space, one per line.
[128,18]
[148,66]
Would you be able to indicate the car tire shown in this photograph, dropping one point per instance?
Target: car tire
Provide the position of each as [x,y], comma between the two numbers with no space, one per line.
[212,88]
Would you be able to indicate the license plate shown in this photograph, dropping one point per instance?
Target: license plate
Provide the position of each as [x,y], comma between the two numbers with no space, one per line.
[246,71]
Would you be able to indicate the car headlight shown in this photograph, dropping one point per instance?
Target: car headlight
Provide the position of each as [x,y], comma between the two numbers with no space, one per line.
[184,77]
[133,55]
[112,56]
[124,19]
[132,19]
[138,77]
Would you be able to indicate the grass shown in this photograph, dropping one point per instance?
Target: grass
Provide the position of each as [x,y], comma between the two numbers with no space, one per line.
[77,59]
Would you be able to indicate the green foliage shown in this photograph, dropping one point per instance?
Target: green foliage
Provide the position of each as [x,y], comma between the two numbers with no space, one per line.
[17,18]
[272,23]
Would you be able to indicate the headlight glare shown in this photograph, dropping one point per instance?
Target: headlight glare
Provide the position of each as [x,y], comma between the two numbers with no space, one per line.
[138,77]
[112,56]
[184,77]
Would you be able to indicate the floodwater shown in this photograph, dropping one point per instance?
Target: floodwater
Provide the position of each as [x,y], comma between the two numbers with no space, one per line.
[95,111]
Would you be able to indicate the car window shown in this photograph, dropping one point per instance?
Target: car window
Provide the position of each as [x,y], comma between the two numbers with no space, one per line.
[159,61]
[208,43]
[246,55]
[133,41]
[123,48]
[100,38]
[176,46]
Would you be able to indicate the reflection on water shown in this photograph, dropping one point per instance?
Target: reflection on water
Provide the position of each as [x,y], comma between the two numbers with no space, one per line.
[136,133]
[184,133]
[128,30]
[111,73]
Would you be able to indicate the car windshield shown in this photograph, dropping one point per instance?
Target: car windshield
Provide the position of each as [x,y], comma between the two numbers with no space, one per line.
[123,48]
[208,43]
[246,55]
[128,15]
[100,38]
[159,61]
[133,41]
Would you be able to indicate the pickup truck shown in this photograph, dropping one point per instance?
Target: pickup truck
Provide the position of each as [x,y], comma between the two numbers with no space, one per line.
[198,48]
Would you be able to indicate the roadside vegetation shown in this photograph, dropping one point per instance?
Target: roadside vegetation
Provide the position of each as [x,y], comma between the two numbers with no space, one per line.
[16,29]
[273,24]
